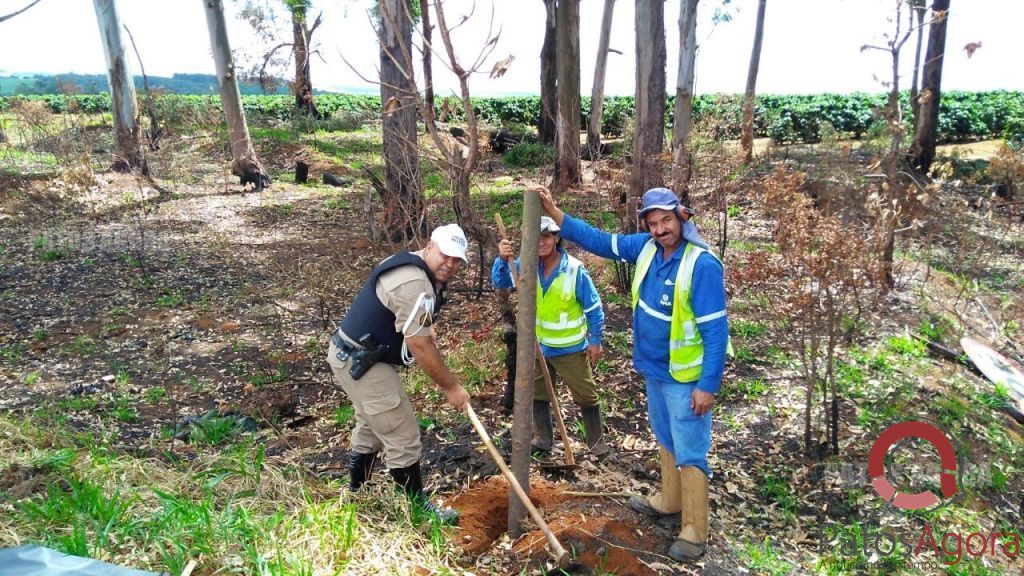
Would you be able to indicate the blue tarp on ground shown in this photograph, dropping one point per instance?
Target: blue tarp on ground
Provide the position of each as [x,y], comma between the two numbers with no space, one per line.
[33,560]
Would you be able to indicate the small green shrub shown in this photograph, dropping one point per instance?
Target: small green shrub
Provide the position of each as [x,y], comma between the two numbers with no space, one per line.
[527,155]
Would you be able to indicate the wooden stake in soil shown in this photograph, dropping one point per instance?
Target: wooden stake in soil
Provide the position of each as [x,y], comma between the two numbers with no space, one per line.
[526,337]
[570,459]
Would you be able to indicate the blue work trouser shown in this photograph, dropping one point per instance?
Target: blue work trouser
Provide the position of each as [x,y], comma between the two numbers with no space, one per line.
[683,433]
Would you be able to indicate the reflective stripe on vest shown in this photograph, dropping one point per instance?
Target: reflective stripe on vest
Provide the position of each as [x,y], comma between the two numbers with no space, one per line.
[560,319]
[685,347]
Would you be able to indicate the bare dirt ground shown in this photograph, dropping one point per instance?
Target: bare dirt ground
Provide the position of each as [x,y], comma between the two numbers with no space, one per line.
[128,317]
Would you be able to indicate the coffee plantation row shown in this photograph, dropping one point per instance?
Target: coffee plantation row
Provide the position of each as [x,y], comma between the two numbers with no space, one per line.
[963,116]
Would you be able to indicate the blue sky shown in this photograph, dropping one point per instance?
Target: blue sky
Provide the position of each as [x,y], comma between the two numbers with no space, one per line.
[810,45]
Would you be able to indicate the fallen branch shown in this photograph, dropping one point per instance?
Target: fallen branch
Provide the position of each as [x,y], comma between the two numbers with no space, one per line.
[599,494]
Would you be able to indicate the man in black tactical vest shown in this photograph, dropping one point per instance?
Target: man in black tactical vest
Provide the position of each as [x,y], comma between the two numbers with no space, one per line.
[390,324]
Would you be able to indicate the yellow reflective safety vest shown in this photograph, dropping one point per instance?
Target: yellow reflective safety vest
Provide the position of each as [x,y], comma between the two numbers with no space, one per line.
[685,347]
[560,319]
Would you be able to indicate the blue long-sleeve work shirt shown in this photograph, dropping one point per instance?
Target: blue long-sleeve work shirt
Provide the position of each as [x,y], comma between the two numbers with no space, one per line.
[651,321]
[586,294]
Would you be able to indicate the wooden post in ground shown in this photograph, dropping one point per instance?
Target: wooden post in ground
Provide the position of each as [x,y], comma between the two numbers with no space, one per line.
[522,427]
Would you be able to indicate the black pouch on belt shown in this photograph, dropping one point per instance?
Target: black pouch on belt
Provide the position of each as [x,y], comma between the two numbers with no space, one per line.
[365,358]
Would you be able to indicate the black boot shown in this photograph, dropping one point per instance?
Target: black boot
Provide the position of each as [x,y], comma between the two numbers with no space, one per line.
[595,431]
[542,433]
[410,480]
[360,468]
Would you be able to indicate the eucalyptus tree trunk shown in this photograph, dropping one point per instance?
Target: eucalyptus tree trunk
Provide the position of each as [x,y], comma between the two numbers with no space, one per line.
[548,77]
[123,106]
[922,151]
[682,123]
[301,34]
[915,87]
[747,136]
[428,72]
[403,204]
[567,122]
[597,92]
[244,162]
[649,103]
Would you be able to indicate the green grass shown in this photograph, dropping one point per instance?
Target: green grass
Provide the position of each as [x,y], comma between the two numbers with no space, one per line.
[763,559]
[12,353]
[155,394]
[282,135]
[775,488]
[170,299]
[337,201]
[746,329]
[344,415]
[268,377]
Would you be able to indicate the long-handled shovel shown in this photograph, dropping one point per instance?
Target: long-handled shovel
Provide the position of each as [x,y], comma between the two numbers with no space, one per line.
[559,553]
[570,459]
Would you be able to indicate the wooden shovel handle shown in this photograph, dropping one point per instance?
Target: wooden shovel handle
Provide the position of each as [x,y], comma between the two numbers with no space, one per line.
[561,556]
[501,225]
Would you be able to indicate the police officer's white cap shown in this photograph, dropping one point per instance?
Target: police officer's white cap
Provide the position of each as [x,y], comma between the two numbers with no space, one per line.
[547,224]
[451,240]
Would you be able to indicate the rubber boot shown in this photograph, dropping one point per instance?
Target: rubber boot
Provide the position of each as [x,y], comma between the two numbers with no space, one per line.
[668,501]
[410,480]
[542,433]
[595,431]
[692,541]
[360,468]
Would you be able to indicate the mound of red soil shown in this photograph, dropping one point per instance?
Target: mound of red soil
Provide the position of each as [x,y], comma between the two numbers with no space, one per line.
[601,535]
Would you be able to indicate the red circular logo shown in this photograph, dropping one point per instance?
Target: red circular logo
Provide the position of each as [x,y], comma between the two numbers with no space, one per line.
[913,429]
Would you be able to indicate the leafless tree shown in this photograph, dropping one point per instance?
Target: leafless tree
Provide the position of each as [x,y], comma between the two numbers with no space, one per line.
[263,17]
[16,12]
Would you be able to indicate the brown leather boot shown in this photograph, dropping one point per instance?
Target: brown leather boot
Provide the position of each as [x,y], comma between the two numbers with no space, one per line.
[692,541]
[668,500]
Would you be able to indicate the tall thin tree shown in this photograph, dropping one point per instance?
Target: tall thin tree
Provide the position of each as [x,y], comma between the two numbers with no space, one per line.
[428,72]
[567,121]
[649,102]
[244,162]
[124,108]
[548,76]
[597,92]
[920,9]
[403,204]
[302,33]
[922,150]
[682,122]
[747,136]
